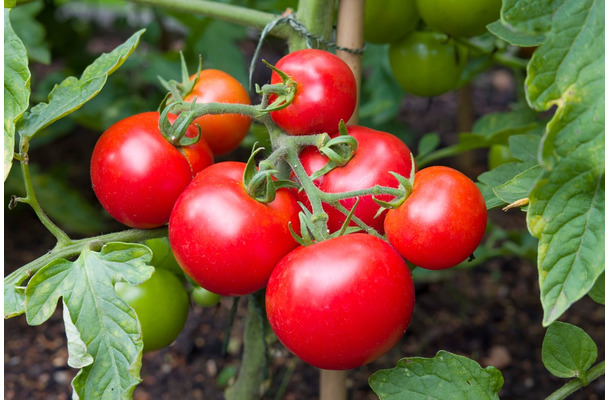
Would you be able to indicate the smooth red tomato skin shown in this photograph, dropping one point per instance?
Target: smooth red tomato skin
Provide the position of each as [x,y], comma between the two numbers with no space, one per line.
[441,223]
[223,239]
[326,92]
[223,132]
[378,153]
[137,175]
[340,303]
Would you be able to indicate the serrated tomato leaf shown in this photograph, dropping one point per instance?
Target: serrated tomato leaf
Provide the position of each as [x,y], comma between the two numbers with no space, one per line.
[447,376]
[16,88]
[567,350]
[72,93]
[104,337]
[566,211]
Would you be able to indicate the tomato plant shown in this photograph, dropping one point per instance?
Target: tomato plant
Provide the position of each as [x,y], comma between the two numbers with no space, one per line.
[325,94]
[137,175]
[378,154]
[427,63]
[223,132]
[338,301]
[320,295]
[389,21]
[459,18]
[441,223]
[162,306]
[225,240]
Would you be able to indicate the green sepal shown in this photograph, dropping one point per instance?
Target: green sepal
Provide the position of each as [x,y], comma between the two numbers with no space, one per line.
[179,90]
[258,182]
[175,133]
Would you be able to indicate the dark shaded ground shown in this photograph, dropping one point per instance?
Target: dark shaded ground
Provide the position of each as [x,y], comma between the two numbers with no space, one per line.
[490,313]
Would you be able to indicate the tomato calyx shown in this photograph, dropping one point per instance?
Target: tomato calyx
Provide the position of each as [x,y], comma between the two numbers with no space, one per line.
[175,132]
[339,151]
[280,94]
[179,90]
[260,182]
[405,187]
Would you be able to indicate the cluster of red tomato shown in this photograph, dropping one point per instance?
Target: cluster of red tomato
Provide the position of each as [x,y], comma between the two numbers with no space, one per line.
[338,303]
[424,58]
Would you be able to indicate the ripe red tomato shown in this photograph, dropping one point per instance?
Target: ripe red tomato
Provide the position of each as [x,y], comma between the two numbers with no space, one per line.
[223,239]
[441,223]
[378,153]
[161,304]
[326,92]
[137,175]
[340,303]
[427,63]
[223,132]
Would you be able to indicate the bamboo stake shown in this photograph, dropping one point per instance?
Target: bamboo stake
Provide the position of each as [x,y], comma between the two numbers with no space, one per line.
[349,35]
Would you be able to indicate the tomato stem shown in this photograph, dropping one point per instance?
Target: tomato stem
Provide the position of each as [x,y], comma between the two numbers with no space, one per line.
[31,199]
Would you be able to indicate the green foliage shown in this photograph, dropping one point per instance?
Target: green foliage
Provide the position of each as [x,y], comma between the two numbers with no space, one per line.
[72,93]
[566,191]
[567,350]
[16,88]
[447,376]
[104,337]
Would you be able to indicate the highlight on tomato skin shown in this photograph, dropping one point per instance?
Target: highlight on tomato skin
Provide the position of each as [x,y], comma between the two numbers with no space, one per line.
[137,175]
[326,92]
[441,223]
[223,239]
[340,303]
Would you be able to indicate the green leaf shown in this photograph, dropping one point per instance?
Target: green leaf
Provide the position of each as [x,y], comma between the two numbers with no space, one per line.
[520,186]
[567,350]
[14,293]
[566,214]
[514,37]
[597,292]
[447,376]
[16,88]
[72,93]
[104,337]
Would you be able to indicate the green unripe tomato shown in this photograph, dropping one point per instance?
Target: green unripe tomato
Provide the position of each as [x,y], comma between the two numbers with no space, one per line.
[390,20]
[427,63]
[204,297]
[499,154]
[459,18]
[161,304]
[162,254]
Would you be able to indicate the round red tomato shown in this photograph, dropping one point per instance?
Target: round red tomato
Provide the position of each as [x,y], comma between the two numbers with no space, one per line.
[378,153]
[137,175]
[340,303]
[223,132]
[441,223]
[223,239]
[326,92]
